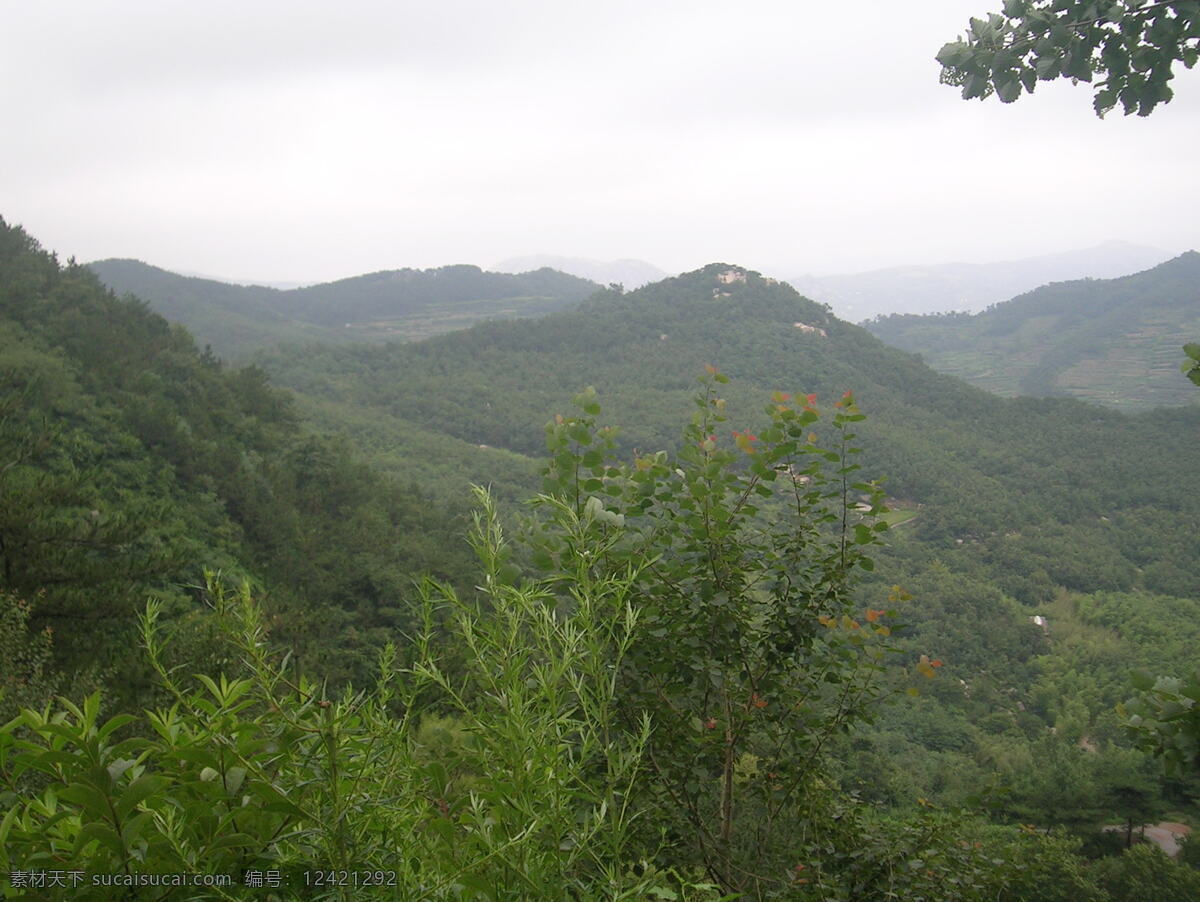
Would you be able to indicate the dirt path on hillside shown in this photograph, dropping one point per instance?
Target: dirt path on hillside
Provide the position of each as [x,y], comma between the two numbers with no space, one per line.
[1165,835]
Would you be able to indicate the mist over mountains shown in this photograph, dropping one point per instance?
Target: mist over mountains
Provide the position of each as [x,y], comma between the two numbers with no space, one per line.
[629,273]
[971,287]
[1111,341]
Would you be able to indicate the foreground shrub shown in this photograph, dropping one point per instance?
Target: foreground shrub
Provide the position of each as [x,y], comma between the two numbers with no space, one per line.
[262,777]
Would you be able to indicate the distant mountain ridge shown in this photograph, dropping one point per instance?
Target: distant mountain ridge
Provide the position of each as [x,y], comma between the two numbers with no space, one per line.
[395,304]
[968,286]
[627,272]
[1112,341]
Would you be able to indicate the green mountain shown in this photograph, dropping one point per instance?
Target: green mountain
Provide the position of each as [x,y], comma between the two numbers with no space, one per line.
[130,462]
[975,465]
[1114,341]
[402,304]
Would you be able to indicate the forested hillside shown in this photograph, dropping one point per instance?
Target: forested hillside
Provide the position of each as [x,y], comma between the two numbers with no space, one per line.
[1004,510]
[816,622]
[978,466]
[132,462]
[1114,342]
[395,305]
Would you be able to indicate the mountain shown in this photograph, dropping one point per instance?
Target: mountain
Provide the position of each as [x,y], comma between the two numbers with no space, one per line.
[975,465]
[1040,549]
[968,286]
[629,273]
[1115,342]
[392,305]
[130,461]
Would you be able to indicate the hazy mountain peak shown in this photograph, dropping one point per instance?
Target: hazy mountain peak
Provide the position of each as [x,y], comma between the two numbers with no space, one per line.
[941,288]
[1113,341]
[628,272]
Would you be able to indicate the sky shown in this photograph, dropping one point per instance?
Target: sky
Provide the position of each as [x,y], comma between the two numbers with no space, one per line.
[303,141]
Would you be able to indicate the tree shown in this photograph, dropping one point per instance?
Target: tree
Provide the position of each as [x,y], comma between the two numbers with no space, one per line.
[1132,45]
[1164,718]
[751,653]
[1191,366]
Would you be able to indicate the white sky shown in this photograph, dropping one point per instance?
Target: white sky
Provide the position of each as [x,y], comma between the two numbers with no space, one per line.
[308,141]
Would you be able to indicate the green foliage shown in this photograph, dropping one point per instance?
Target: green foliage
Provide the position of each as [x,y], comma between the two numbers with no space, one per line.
[263,771]
[933,854]
[1164,718]
[751,653]
[1133,44]
[1144,872]
[1191,366]
[25,676]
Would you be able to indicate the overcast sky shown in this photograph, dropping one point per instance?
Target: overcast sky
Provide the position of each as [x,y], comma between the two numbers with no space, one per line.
[309,141]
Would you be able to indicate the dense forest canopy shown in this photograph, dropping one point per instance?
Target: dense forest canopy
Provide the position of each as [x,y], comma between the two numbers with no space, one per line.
[133,461]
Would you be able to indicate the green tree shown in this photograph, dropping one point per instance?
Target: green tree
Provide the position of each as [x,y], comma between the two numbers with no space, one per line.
[1132,47]
[1164,718]
[751,654]
[25,677]
[1191,366]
